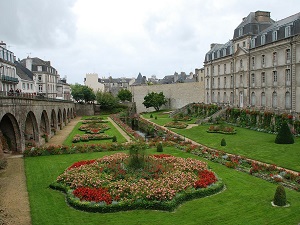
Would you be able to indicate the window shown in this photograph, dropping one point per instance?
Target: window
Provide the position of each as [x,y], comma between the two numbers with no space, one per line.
[253,99]
[263,60]
[244,44]
[253,61]
[31,86]
[219,69]
[263,39]
[231,97]
[213,82]
[224,68]
[288,55]
[274,35]
[230,50]
[231,81]
[287,31]
[224,52]
[288,76]
[218,54]
[27,86]
[241,79]
[225,97]
[213,55]
[207,83]
[39,68]
[241,63]
[23,86]
[253,79]
[40,88]
[207,71]
[218,82]
[213,70]
[253,43]
[263,99]
[241,31]
[275,76]
[231,66]
[207,57]
[219,96]
[224,82]
[263,77]
[288,104]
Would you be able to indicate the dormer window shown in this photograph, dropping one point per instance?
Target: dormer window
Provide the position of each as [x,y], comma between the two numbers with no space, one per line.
[287,31]
[253,43]
[213,55]
[218,54]
[263,39]
[224,51]
[274,35]
[241,31]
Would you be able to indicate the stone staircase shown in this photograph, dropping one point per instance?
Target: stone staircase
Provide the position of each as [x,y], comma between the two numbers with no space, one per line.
[213,116]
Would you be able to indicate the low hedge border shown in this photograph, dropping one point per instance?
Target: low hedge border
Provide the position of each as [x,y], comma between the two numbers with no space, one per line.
[142,204]
[221,132]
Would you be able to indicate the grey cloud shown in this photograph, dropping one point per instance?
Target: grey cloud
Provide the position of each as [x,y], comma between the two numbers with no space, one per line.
[37,23]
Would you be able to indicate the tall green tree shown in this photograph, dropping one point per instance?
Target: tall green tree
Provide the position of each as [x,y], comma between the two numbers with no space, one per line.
[284,135]
[155,100]
[82,93]
[124,95]
[106,100]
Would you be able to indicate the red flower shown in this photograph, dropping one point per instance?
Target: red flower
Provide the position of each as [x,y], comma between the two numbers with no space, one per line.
[206,178]
[81,163]
[93,194]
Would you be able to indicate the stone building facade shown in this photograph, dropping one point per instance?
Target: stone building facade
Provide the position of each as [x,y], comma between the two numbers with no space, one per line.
[259,67]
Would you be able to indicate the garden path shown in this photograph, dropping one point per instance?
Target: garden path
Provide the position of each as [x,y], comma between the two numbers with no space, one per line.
[119,129]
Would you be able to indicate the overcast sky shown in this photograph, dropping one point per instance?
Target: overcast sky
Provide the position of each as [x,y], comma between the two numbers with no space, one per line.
[121,38]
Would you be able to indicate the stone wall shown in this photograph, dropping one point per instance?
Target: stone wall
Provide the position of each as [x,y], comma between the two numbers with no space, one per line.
[178,95]
[84,109]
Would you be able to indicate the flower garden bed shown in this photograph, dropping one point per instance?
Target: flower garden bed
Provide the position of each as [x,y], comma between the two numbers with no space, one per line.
[87,137]
[109,184]
[221,129]
[176,124]
[94,128]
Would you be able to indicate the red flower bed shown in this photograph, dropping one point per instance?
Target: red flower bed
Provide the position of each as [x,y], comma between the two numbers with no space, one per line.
[206,178]
[162,156]
[93,194]
[81,163]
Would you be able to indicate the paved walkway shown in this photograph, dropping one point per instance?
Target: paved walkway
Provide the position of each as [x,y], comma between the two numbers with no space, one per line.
[119,129]
[61,135]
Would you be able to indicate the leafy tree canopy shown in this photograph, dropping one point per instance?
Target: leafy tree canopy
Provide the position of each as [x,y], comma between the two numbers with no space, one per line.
[155,100]
[125,95]
[106,100]
[82,93]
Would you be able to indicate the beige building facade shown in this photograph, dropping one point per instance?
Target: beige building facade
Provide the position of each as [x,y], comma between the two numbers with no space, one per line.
[259,67]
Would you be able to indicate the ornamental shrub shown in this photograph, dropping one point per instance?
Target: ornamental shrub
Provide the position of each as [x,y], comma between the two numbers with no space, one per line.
[114,139]
[280,196]
[284,135]
[151,116]
[159,147]
[223,142]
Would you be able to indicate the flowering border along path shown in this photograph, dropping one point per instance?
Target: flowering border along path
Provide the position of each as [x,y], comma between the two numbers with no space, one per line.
[109,184]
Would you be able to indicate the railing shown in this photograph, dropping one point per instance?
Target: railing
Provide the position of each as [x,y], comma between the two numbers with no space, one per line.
[9,79]
[15,94]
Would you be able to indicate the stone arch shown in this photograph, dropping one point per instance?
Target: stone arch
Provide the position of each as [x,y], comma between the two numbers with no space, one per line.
[68,115]
[64,117]
[31,131]
[59,119]
[53,123]
[11,135]
[44,124]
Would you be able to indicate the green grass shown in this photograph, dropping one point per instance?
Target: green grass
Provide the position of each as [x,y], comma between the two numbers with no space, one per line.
[252,144]
[111,132]
[245,201]
[163,118]
[249,143]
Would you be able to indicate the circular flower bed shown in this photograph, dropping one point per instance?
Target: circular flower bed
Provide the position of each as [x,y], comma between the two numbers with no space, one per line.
[221,129]
[110,184]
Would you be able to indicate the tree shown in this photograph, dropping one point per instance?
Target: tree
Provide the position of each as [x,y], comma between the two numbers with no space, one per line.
[124,95]
[284,135]
[82,93]
[106,100]
[154,100]
[280,196]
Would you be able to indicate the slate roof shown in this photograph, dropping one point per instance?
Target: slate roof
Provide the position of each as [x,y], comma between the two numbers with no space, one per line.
[23,72]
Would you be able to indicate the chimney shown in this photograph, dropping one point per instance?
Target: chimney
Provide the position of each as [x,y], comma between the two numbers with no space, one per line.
[262,16]
[29,63]
[212,45]
[2,44]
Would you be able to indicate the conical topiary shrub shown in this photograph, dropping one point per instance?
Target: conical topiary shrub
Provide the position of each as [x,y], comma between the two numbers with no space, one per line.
[223,142]
[284,135]
[159,147]
[280,196]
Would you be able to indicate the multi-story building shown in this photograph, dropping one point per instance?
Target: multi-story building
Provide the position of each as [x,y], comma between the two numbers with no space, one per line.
[26,78]
[46,76]
[8,75]
[259,67]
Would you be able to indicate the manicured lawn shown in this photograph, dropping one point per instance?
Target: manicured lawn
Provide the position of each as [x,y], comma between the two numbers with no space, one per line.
[249,143]
[111,132]
[163,118]
[245,201]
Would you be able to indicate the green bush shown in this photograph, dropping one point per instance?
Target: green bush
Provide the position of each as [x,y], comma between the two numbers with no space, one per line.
[284,135]
[159,147]
[114,139]
[280,196]
[151,116]
[155,117]
[223,142]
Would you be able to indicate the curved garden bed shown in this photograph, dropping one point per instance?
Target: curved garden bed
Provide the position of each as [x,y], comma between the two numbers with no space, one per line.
[125,182]
[221,129]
